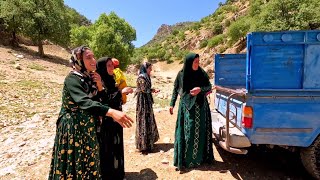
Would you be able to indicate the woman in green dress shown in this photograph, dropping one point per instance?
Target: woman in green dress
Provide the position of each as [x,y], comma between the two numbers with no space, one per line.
[193,133]
[76,148]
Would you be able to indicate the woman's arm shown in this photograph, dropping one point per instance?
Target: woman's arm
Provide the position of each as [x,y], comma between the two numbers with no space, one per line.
[81,98]
[141,84]
[120,117]
[208,87]
[175,90]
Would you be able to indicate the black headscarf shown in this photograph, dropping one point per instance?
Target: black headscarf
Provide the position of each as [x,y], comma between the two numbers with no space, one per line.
[113,98]
[193,78]
[107,79]
[190,77]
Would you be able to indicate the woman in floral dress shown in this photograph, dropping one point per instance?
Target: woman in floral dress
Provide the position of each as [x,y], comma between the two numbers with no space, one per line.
[76,148]
[146,129]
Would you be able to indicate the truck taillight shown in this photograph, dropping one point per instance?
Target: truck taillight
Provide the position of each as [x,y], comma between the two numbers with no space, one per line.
[247,117]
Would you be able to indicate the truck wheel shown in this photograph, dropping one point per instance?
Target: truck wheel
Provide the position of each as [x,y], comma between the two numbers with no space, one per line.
[310,157]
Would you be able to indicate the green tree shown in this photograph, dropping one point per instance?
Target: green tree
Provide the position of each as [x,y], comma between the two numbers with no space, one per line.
[80,35]
[137,57]
[11,13]
[280,15]
[46,20]
[76,18]
[239,29]
[112,36]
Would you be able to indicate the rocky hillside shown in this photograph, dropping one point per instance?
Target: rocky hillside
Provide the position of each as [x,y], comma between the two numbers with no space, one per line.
[207,37]
[166,30]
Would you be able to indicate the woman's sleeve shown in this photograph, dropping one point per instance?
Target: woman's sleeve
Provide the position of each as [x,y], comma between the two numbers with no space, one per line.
[175,90]
[101,96]
[141,84]
[207,87]
[79,95]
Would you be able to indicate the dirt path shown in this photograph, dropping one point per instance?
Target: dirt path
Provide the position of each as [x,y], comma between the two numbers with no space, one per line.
[30,102]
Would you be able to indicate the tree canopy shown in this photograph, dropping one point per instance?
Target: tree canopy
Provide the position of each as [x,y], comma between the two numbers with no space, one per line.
[109,36]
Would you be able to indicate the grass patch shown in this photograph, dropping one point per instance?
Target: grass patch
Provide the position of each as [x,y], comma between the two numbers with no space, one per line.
[131,80]
[2,108]
[162,102]
[29,84]
[36,67]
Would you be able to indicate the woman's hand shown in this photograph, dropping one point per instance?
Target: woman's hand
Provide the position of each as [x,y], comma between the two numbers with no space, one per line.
[127,90]
[97,79]
[195,91]
[171,110]
[120,117]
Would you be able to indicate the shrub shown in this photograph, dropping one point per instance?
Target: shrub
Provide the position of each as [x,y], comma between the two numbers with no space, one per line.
[203,43]
[215,40]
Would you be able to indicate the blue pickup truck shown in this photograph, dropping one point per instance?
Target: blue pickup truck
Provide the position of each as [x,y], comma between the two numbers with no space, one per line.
[271,95]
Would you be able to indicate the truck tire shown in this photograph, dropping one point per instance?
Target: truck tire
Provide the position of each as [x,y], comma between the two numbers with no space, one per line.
[310,157]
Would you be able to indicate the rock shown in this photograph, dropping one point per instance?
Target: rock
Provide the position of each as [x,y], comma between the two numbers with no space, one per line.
[22,144]
[8,141]
[7,170]
[165,161]
[36,118]
[17,66]
[20,56]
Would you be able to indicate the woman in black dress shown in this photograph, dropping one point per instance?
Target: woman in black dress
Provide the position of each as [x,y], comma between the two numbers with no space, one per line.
[110,133]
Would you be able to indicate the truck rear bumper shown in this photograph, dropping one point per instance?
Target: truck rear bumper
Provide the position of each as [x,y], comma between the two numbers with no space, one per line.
[236,138]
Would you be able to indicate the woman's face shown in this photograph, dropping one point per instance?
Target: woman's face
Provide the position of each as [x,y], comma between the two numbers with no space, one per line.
[195,64]
[89,60]
[149,70]
[110,67]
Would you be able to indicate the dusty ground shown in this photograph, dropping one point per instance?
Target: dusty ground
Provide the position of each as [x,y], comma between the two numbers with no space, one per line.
[30,102]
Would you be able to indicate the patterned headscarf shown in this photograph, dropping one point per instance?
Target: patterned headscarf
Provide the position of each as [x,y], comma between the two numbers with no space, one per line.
[143,71]
[76,59]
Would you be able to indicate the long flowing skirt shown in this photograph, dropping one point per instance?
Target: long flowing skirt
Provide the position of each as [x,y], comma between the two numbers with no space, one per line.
[111,150]
[76,149]
[146,129]
[193,136]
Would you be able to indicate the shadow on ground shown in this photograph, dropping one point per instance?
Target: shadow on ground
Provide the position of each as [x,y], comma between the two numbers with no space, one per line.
[147,173]
[47,57]
[260,163]
[162,146]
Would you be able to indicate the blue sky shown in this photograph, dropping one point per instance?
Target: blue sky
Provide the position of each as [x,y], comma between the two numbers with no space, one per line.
[146,16]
